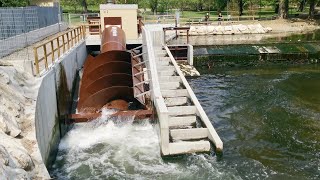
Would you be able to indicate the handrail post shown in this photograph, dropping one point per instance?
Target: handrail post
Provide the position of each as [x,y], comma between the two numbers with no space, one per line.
[52,51]
[36,60]
[68,41]
[78,34]
[72,38]
[45,56]
[75,36]
[58,44]
[84,31]
[63,44]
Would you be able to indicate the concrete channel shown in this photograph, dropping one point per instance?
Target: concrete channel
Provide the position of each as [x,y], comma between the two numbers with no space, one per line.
[184,126]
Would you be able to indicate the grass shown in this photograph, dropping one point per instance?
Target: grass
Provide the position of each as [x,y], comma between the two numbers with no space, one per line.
[185,16]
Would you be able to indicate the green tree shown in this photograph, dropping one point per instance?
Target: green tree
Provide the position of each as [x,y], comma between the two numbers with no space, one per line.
[153,5]
[283,9]
[85,6]
[241,6]
[302,4]
[221,4]
[312,8]
[143,4]
[14,3]
[71,3]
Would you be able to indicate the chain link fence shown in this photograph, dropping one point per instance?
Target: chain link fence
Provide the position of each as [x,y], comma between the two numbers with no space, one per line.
[77,19]
[22,27]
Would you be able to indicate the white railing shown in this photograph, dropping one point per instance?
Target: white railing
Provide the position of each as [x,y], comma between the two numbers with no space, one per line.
[213,135]
[156,96]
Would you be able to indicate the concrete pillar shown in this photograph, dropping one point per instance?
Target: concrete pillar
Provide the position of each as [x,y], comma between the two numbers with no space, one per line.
[190,55]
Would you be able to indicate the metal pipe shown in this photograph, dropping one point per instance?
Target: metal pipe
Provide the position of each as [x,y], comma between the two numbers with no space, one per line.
[113,39]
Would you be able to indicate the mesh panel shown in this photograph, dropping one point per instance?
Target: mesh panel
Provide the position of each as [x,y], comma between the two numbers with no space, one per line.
[22,27]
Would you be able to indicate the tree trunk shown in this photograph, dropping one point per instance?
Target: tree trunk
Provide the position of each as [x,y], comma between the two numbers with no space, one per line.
[301,5]
[283,9]
[85,6]
[154,6]
[312,8]
[240,2]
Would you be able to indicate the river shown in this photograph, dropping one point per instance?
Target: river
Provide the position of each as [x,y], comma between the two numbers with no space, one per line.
[268,119]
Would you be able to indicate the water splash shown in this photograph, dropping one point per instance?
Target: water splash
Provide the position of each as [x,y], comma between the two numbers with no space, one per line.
[117,148]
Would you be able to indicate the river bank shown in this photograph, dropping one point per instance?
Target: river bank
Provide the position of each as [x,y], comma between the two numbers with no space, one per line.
[280,30]
[19,152]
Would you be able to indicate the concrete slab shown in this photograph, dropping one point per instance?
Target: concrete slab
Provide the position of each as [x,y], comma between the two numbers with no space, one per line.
[166,68]
[182,110]
[166,72]
[189,134]
[161,54]
[176,101]
[160,51]
[164,59]
[182,121]
[164,79]
[175,93]
[162,63]
[189,147]
[170,85]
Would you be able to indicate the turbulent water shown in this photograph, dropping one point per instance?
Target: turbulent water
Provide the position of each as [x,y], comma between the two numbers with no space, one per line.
[269,120]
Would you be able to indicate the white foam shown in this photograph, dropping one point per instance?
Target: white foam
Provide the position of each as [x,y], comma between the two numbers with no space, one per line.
[120,151]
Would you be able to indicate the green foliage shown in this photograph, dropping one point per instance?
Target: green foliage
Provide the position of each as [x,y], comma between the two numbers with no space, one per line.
[14,3]
[234,7]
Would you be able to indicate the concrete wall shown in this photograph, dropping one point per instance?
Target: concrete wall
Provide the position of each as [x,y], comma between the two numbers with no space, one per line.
[54,101]
[157,35]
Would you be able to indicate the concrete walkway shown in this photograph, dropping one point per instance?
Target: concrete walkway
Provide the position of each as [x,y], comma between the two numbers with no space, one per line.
[190,130]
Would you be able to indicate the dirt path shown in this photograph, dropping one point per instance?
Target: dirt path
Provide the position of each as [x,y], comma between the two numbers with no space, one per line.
[290,25]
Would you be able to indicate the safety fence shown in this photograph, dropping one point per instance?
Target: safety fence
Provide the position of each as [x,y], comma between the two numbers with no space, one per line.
[15,21]
[55,48]
[22,26]
[77,19]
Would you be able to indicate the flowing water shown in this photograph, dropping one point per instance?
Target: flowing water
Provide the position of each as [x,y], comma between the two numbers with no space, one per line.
[268,119]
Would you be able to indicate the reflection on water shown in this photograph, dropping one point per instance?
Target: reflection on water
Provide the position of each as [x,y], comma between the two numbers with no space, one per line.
[269,120]
[271,116]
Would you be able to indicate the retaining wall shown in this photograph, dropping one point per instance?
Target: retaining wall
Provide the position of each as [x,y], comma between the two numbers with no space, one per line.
[256,55]
[55,99]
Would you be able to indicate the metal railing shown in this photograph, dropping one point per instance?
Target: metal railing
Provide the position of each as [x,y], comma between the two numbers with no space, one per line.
[138,72]
[54,48]
[95,29]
